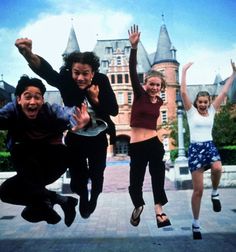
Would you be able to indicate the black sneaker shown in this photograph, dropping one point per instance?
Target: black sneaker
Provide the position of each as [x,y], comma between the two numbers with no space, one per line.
[69,210]
[196,233]
[92,203]
[84,207]
[41,212]
[216,203]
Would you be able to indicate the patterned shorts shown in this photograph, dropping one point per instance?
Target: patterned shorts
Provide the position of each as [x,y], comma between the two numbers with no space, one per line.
[202,155]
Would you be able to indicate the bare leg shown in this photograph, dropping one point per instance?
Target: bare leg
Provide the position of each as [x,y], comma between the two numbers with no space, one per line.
[216,171]
[197,179]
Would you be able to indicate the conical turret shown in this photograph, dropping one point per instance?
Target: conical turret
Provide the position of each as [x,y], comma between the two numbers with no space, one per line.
[72,44]
[165,50]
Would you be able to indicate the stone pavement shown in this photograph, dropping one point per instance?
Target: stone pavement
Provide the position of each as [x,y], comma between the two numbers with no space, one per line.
[108,228]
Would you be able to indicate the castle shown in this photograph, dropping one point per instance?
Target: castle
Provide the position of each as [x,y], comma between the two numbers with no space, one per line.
[114,62]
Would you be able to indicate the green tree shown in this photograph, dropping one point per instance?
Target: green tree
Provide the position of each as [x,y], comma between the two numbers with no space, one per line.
[3,140]
[224,130]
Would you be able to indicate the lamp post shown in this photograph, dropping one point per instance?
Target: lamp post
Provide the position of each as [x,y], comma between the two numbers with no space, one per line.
[182,175]
[180,112]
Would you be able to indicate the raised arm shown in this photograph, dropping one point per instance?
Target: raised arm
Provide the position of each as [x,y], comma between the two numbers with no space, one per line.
[183,88]
[223,93]
[24,46]
[38,64]
[134,37]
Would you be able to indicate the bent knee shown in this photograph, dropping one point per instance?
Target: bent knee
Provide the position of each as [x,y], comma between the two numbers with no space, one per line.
[216,167]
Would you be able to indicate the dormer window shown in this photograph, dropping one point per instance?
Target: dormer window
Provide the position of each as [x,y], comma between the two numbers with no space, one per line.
[127,50]
[104,63]
[108,50]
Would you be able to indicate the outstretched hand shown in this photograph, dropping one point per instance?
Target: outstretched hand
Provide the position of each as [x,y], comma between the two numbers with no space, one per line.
[233,66]
[81,117]
[134,36]
[187,66]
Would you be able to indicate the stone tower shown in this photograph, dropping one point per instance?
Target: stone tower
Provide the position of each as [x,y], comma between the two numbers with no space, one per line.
[165,62]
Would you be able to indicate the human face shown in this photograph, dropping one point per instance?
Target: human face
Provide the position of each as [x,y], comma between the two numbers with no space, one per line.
[31,101]
[82,74]
[153,86]
[202,104]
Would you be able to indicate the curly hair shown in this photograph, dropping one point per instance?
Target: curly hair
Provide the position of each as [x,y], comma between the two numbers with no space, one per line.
[89,58]
[25,81]
[154,73]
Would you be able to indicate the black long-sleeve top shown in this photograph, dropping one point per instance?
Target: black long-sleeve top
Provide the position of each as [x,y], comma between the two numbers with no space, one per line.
[144,113]
[73,96]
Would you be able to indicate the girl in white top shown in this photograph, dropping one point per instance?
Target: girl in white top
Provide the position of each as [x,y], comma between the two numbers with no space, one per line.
[202,152]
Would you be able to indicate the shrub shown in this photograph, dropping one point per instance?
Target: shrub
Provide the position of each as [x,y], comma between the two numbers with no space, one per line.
[5,162]
[228,155]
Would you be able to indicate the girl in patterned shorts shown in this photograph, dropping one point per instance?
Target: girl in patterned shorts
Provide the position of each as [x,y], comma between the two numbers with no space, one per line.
[203,154]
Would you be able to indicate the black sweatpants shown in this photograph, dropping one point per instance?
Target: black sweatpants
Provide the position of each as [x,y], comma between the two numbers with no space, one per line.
[36,166]
[87,161]
[149,152]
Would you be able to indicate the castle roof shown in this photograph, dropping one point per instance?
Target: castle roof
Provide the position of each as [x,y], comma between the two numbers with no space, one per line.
[6,91]
[104,50]
[165,50]
[72,44]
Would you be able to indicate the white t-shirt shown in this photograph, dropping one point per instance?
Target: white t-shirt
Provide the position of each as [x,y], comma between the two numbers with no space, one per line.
[200,127]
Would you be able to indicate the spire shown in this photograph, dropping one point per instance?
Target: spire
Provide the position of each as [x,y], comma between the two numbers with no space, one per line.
[72,44]
[218,80]
[163,19]
[165,50]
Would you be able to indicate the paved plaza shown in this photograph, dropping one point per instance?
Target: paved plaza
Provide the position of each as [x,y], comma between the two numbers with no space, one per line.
[108,228]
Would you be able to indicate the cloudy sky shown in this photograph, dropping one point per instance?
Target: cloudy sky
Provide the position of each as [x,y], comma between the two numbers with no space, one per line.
[202,31]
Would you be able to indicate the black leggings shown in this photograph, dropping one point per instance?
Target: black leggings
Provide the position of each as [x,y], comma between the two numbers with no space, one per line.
[141,154]
[36,166]
[87,161]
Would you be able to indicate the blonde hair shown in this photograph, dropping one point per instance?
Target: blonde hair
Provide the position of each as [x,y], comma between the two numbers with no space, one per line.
[154,73]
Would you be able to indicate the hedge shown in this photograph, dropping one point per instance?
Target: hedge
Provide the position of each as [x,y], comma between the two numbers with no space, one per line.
[5,162]
[228,156]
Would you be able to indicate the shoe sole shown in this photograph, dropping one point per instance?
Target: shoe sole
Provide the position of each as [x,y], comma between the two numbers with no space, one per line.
[163,224]
[197,235]
[216,205]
